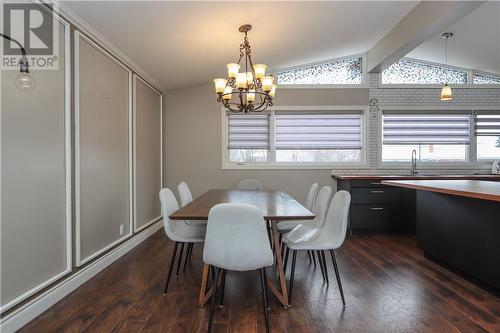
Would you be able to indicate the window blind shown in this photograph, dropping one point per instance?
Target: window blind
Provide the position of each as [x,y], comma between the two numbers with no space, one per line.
[248,131]
[318,131]
[426,128]
[487,123]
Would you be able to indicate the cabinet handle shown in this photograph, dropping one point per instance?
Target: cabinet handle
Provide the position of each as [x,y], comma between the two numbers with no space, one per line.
[377,191]
[377,208]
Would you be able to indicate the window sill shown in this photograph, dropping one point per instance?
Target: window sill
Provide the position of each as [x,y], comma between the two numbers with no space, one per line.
[437,86]
[435,165]
[292,166]
[323,86]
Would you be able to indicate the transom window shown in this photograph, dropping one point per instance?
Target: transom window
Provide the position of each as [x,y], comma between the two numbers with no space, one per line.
[409,71]
[341,71]
[295,137]
[480,78]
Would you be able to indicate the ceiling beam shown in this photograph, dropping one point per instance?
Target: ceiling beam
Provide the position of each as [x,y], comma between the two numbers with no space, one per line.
[426,20]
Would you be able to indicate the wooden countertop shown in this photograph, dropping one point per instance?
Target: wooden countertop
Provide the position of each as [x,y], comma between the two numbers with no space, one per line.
[417,177]
[478,189]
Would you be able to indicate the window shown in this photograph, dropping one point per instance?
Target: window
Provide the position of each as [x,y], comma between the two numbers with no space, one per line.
[248,138]
[295,137]
[409,71]
[318,137]
[487,132]
[436,137]
[479,78]
[342,71]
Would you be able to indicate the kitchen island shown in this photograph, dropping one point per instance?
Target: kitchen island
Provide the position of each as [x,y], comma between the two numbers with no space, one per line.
[458,225]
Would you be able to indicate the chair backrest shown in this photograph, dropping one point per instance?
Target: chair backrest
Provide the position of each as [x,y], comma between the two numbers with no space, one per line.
[250,184]
[169,206]
[184,194]
[236,238]
[320,207]
[311,196]
[336,219]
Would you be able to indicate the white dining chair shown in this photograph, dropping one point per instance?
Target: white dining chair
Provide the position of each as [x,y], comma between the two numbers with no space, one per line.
[317,209]
[236,240]
[186,197]
[177,231]
[329,238]
[250,184]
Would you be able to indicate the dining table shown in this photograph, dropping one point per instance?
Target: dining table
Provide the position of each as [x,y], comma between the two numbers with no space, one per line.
[275,206]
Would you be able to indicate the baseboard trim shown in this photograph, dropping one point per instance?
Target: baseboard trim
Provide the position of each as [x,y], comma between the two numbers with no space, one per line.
[27,312]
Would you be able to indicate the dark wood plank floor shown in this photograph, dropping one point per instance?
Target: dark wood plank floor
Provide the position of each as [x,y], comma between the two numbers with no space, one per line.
[389,285]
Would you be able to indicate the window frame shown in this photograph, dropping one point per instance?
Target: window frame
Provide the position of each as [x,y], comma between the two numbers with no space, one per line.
[468,85]
[471,155]
[364,75]
[271,160]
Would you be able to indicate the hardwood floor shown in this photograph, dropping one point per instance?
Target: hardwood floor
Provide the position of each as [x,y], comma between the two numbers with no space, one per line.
[389,286]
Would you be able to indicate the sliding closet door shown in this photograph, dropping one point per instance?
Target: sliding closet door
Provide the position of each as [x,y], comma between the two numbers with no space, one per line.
[35,179]
[103,150]
[147,152]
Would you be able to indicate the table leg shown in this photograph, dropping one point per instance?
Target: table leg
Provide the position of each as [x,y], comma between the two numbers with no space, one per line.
[203,287]
[283,294]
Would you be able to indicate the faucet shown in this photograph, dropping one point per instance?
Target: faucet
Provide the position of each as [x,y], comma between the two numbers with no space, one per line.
[413,170]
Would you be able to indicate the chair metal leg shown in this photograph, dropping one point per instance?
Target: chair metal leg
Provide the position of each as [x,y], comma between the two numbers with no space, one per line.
[326,267]
[286,259]
[222,288]
[186,257]
[314,258]
[309,255]
[263,285]
[292,275]
[169,274]
[337,275]
[212,301]
[320,262]
[180,260]
[191,250]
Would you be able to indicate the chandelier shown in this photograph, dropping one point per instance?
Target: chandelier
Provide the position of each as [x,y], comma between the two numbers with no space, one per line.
[250,90]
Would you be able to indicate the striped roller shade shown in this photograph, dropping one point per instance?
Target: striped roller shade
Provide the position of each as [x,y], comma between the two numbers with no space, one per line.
[427,128]
[318,131]
[248,131]
[487,123]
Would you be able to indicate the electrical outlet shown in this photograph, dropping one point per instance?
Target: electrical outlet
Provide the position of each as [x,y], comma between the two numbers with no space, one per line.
[121,229]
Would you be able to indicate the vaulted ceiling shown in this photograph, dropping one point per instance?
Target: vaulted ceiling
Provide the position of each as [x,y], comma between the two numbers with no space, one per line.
[186,43]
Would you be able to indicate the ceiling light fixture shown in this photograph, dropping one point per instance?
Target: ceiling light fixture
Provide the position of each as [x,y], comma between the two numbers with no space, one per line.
[446,93]
[249,91]
[24,81]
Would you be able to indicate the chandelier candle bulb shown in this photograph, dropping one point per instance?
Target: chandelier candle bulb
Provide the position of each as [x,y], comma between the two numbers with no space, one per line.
[249,78]
[232,70]
[251,96]
[267,83]
[241,80]
[273,91]
[227,91]
[220,85]
[260,71]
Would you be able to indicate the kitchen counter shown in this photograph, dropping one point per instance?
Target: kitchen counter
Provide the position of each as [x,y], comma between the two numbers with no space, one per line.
[458,225]
[478,189]
[408,177]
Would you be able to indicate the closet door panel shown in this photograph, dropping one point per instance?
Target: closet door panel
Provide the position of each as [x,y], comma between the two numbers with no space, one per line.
[103,172]
[35,179]
[148,160]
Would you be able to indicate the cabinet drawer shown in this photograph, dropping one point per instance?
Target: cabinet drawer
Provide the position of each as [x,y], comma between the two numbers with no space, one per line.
[367,183]
[375,217]
[376,195]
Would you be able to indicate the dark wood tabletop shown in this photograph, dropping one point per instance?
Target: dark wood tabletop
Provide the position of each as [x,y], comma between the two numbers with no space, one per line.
[275,205]
[478,189]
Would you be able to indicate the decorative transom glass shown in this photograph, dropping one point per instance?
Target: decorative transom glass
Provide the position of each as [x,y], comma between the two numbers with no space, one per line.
[408,71]
[485,79]
[345,71]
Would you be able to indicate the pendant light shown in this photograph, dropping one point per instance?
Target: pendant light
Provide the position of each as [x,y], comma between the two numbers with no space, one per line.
[446,93]
[24,81]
